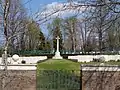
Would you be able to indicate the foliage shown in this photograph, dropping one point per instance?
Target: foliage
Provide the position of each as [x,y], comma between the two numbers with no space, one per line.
[96,27]
[70,27]
[56,30]
[42,45]
[47,45]
[34,37]
[114,36]
[1,51]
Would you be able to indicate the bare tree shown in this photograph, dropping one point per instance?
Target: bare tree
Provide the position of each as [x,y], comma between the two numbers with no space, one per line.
[70,27]
[101,15]
[11,21]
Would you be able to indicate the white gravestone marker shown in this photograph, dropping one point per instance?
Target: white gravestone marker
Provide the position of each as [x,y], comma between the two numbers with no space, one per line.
[15,58]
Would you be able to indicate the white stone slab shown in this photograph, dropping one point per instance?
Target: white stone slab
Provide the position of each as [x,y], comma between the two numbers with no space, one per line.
[32,60]
[28,60]
[100,68]
[88,58]
[20,67]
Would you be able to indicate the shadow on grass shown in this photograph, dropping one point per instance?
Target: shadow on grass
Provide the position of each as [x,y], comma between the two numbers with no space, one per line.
[40,61]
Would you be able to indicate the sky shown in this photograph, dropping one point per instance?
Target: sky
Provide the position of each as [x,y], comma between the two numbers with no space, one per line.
[48,6]
[34,5]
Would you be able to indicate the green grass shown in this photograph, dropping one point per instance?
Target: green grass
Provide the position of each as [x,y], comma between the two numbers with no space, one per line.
[64,64]
[58,74]
[58,65]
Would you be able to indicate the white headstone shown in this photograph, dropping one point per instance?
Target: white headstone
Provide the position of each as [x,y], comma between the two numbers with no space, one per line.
[15,58]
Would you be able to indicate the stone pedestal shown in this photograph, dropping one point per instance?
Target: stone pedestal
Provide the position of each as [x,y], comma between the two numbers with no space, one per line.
[57,55]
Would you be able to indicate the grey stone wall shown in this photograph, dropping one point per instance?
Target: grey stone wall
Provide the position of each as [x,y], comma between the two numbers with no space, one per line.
[18,80]
[100,80]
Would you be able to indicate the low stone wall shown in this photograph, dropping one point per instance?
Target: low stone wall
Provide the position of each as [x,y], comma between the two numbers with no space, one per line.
[28,60]
[18,77]
[88,58]
[100,77]
[32,60]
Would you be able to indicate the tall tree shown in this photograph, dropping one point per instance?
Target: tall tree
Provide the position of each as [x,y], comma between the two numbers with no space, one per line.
[56,29]
[70,26]
[113,36]
[13,14]
[16,22]
[42,40]
[34,37]
[100,18]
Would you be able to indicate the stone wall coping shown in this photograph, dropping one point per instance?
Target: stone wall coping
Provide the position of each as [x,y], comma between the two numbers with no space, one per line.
[100,67]
[20,64]
[20,67]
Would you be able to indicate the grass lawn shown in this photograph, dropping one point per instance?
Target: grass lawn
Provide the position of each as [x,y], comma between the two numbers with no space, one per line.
[58,65]
[58,75]
[64,64]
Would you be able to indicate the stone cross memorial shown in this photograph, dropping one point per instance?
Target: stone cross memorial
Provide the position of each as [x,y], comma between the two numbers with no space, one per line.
[57,53]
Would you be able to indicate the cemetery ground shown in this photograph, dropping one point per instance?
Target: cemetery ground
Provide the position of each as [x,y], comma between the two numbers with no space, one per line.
[58,75]
[62,74]
[52,64]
